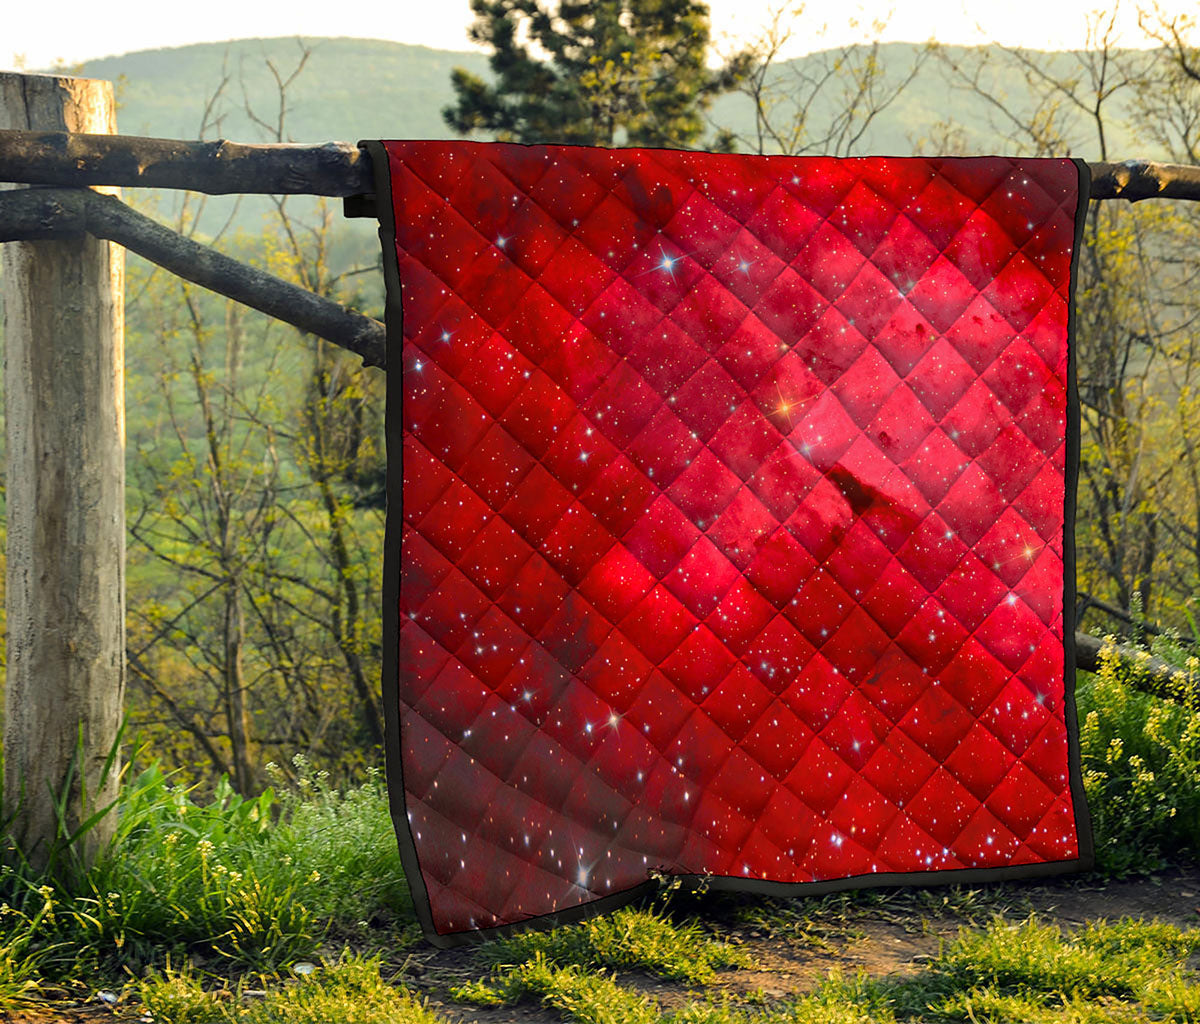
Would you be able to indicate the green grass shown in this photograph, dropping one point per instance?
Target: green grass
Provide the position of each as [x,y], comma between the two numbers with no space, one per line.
[1119,960]
[1129,970]
[567,969]
[25,945]
[348,991]
[581,994]
[253,883]
[346,836]
[1025,971]
[630,939]
[828,922]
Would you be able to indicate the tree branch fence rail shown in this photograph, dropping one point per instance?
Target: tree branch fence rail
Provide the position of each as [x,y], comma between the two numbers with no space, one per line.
[62,167]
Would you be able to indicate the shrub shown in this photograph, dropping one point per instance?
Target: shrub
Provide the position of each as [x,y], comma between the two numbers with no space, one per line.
[1141,766]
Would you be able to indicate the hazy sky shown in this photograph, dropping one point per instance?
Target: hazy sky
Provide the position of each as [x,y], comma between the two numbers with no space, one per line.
[76,31]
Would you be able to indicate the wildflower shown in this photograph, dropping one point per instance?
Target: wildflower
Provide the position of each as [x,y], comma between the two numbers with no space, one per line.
[205,849]
[315,876]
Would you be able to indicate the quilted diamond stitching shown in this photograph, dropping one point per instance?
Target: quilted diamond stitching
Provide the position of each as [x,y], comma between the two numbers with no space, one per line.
[837,314]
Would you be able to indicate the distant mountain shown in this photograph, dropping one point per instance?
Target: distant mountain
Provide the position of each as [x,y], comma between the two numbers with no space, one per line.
[349,88]
[367,88]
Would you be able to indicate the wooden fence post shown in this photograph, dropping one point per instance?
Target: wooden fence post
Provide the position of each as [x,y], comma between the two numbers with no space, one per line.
[65,426]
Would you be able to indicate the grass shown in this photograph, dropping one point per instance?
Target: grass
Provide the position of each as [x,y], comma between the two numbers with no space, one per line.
[581,994]
[24,948]
[1018,972]
[1127,970]
[829,922]
[252,883]
[348,991]
[630,939]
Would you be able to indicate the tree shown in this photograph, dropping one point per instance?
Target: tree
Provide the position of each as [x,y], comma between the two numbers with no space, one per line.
[821,104]
[1172,99]
[340,440]
[620,72]
[1074,94]
[256,519]
[212,525]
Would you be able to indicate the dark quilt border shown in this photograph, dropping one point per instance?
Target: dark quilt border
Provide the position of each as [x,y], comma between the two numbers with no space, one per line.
[381,163]
[392,532]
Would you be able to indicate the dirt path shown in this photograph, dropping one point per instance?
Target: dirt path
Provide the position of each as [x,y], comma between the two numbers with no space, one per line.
[891,939]
[791,952]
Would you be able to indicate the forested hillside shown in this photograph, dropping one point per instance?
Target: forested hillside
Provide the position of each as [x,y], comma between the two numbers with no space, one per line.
[368,88]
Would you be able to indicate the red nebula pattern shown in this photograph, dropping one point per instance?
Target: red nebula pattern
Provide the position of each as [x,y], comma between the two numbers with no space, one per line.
[733,518]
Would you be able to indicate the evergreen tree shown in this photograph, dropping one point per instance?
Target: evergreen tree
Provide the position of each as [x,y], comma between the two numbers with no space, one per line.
[619,72]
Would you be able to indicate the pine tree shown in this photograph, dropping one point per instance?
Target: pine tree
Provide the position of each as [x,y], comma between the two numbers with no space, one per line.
[619,72]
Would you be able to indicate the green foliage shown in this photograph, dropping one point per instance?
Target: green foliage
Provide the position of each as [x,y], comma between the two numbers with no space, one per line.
[566,968]
[347,837]
[26,942]
[1023,973]
[626,72]
[1032,956]
[203,876]
[230,566]
[1009,972]
[829,921]
[1031,971]
[348,991]
[583,996]
[254,882]
[1141,767]
[834,1002]
[1137,518]
[628,939]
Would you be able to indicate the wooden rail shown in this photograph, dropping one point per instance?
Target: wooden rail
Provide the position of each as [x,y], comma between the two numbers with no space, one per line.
[216,168]
[39,213]
[343,169]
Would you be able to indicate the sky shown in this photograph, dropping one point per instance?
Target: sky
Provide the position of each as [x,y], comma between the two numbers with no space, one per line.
[76,33]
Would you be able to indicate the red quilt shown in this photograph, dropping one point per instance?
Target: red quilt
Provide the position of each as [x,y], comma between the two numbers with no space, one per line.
[729,525]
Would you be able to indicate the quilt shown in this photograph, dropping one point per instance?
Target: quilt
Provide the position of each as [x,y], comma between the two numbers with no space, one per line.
[729,528]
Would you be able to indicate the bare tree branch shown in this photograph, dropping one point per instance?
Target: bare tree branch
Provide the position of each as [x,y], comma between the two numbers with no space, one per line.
[46,213]
[219,167]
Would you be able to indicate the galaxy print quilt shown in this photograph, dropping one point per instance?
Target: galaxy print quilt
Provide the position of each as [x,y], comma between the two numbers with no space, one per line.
[729,529]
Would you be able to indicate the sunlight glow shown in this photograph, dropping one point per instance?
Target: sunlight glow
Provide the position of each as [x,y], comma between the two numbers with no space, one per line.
[78,35]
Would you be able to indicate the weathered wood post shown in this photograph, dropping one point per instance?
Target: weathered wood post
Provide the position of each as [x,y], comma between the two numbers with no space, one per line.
[64,394]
